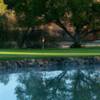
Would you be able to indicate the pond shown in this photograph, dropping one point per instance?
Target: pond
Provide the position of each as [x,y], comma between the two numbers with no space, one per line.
[50,79]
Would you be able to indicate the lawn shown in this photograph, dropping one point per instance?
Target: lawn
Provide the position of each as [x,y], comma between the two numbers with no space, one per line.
[46,53]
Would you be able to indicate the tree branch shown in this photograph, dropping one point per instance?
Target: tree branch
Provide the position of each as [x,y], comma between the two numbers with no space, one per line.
[90,32]
[58,22]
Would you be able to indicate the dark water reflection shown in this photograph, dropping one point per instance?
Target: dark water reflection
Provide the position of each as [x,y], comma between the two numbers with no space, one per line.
[74,79]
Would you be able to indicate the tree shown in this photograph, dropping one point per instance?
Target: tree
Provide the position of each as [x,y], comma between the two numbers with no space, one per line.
[82,14]
[3,7]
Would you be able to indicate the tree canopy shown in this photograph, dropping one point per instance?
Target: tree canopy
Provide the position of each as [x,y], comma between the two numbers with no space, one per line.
[82,14]
[51,10]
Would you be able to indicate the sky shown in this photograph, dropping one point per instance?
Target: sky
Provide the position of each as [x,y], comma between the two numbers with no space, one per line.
[7,92]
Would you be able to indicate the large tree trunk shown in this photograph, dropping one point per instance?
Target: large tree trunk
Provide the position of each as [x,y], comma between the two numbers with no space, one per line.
[76,45]
[76,41]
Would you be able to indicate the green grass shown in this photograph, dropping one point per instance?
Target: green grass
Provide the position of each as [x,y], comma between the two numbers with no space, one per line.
[7,54]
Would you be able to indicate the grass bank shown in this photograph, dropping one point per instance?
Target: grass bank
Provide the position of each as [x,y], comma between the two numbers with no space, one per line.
[8,54]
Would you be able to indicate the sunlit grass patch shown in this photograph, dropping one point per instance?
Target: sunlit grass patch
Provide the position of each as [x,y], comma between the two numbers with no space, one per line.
[39,53]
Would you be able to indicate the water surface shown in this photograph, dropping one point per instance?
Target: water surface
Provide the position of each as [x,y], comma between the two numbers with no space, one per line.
[50,79]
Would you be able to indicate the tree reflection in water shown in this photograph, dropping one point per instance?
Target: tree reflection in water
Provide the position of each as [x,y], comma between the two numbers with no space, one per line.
[67,85]
[86,86]
[4,79]
[34,86]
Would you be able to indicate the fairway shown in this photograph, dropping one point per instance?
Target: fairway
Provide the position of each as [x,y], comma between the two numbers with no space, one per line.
[46,53]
